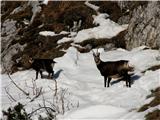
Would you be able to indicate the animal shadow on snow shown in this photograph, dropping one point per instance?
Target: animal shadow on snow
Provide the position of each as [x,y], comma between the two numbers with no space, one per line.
[133,79]
[56,75]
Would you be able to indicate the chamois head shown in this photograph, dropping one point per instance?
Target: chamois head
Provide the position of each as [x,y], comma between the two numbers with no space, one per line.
[96,57]
[30,60]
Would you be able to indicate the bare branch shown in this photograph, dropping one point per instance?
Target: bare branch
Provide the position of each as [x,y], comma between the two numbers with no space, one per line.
[26,93]
[77,58]
[56,88]
[44,104]
[30,114]
[10,96]
[39,93]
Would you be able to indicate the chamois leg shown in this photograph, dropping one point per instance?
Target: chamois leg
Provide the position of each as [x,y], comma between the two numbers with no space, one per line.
[49,75]
[105,81]
[52,74]
[41,74]
[128,80]
[36,74]
[109,79]
[125,76]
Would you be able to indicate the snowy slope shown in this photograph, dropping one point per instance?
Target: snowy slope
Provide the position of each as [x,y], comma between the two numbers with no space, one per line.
[78,73]
[106,29]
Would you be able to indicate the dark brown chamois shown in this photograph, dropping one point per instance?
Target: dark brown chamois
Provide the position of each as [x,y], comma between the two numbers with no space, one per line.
[113,69]
[40,65]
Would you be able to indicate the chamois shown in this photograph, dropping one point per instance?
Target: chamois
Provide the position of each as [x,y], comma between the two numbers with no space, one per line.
[40,65]
[113,69]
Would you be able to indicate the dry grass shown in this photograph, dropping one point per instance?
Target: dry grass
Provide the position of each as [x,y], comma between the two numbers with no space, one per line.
[118,41]
[154,68]
[154,115]
[95,42]
[9,7]
[40,47]
[112,8]
[55,17]
[154,102]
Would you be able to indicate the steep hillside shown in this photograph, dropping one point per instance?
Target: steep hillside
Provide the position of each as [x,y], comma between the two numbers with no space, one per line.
[69,32]
[22,22]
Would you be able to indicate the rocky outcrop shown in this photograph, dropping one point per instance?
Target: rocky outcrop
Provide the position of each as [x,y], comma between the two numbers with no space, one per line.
[144,25]
[9,32]
[21,25]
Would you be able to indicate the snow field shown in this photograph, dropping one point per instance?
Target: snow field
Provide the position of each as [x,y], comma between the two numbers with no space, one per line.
[78,74]
[86,97]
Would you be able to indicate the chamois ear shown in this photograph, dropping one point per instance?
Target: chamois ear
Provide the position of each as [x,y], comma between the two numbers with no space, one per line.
[97,50]
[98,54]
[30,60]
[93,53]
[54,61]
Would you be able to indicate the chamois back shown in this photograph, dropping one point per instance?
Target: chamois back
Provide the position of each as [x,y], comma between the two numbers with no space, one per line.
[111,69]
[40,65]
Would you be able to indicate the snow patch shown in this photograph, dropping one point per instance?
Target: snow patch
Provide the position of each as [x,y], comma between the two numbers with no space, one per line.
[63,40]
[16,10]
[47,33]
[97,111]
[45,2]
[78,73]
[106,29]
[100,19]
[35,9]
[51,33]
[94,7]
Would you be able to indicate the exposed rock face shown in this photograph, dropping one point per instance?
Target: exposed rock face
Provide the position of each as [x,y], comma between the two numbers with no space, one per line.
[144,26]
[22,22]
[9,32]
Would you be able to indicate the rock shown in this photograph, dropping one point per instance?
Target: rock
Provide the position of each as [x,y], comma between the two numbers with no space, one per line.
[144,26]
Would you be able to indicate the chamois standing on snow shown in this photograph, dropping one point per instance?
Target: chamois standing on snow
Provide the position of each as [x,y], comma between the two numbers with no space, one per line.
[113,69]
[40,65]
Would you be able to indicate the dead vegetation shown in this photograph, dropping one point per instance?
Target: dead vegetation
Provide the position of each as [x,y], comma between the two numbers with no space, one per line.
[65,12]
[59,104]
[156,101]
[58,16]
[153,68]
[117,41]
[109,7]
[8,7]
[154,115]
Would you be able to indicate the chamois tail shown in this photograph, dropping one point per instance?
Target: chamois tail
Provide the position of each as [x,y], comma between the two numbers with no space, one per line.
[130,68]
